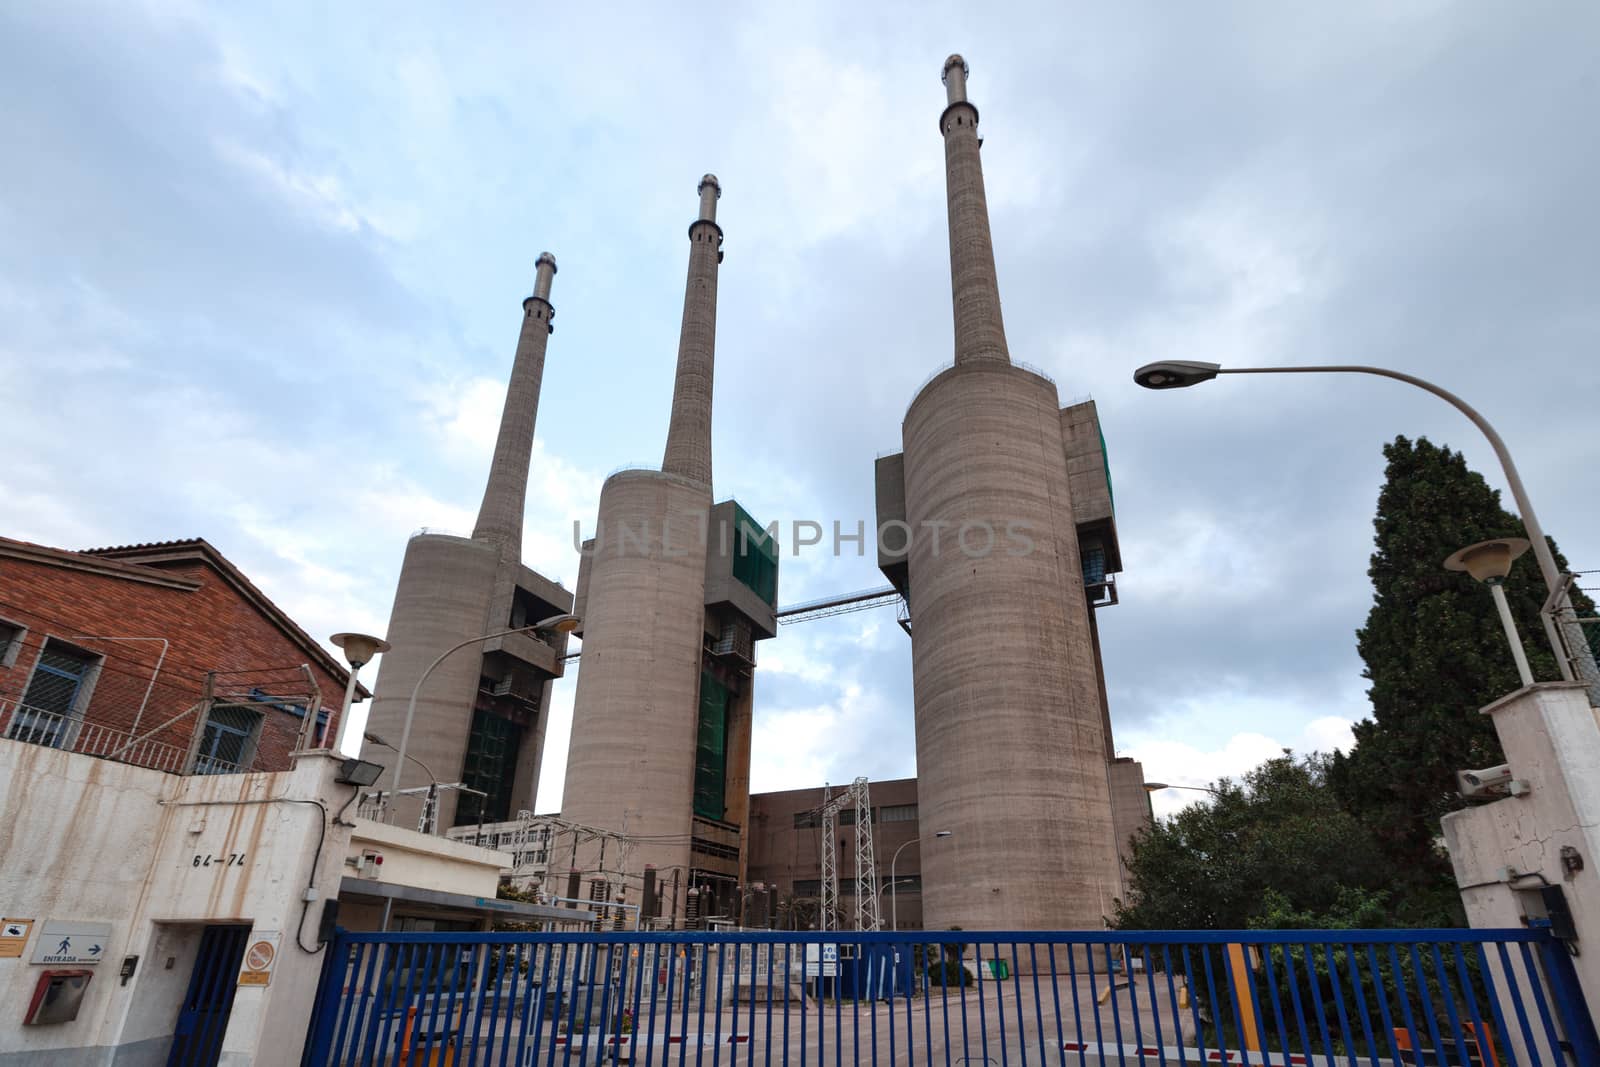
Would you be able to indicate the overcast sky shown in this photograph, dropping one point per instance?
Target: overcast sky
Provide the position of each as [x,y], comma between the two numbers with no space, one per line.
[261,273]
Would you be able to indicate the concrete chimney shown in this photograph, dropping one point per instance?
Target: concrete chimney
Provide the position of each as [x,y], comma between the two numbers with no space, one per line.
[980,332]
[689,435]
[505,495]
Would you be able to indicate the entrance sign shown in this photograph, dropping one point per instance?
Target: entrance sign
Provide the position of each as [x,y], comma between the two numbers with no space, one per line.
[72,942]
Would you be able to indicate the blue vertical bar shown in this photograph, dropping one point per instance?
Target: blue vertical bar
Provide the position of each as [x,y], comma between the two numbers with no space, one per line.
[1133,998]
[1429,1016]
[838,1011]
[608,1029]
[1077,1014]
[961,982]
[1155,1002]
[1338,1000]
[425,976]
[1194,1005]
[1022,1045]
[672,978]
[877,987]
[1449,1000]
[1539,1001]
[1232,988]
[684,993]
[1479,1031]
[1116,1010]
[788,971]
[1294,997]
[478,991]
[855,1002]
[1576,1022]
[352,999]
[1038,1002]
[1405,1002]
[983,1011]
[649,1030]
[565,1003]
[396,1023]
[944,1003]
[647,967]
[750,1046]
[722,951]
[1317,1005]
[1172,996]
[329,1000]
[1277,1005]
[1055,994]
[373,1008]
[539,1010]
[1516,1002]
[701,972]
[1383,1002]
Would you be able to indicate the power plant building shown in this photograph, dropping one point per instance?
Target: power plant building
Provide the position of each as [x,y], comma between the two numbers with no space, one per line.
[481,712]
[996,525]
[673,593]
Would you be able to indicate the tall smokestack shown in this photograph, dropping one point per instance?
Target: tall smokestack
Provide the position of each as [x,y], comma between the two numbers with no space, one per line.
[689,436]
[505,496]
[980,332]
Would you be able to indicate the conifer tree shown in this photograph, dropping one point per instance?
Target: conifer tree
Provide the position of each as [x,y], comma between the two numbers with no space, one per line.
[1435,653]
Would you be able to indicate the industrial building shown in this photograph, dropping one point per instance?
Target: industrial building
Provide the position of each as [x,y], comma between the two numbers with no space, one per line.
[673,594]
[480,711]
[996,526]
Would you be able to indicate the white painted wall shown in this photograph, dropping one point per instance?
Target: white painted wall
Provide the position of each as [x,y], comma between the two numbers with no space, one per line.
[410,858]
[1551,739]
[89,840]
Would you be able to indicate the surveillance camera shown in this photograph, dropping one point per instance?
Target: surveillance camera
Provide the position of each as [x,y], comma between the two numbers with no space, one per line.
[1491,783]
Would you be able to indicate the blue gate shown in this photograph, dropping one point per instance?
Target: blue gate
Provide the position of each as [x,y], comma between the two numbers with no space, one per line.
[1298,998]
[203,1019]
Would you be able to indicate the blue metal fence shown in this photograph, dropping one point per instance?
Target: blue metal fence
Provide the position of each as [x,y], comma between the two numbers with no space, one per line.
[1298,998]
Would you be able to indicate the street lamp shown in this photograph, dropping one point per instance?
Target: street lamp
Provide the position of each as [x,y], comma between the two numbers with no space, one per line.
[894,901]
[358,650]
[560,624]
[1570,645]
[1490,562]
[1156,787]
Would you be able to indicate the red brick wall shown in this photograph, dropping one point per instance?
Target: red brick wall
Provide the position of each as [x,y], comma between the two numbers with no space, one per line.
[212,628]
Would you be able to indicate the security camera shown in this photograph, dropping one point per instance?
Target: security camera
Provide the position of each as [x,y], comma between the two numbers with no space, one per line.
[1491,783]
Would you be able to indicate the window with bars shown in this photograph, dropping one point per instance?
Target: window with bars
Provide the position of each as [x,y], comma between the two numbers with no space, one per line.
[228,741]
[53,695]
[897,813]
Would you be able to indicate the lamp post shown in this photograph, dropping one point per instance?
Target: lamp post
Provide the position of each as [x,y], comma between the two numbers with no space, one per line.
[1572,651]
[1156,787]
[358,650]
[894,900]
[1490,562]
[561,624]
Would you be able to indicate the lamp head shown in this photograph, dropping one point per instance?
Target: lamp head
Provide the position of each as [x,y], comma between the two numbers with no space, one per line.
[559,624]
[1489,561]
[1175,374]
[1155,787]
[942,833]
[360,648]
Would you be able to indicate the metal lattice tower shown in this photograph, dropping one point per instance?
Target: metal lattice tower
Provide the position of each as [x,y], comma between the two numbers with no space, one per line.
[830,863]
[868,916]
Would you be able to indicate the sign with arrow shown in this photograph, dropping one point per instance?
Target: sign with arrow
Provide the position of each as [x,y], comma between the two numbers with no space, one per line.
[71,942]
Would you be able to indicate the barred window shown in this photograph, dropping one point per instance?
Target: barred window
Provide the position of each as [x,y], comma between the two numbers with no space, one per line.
[897,813]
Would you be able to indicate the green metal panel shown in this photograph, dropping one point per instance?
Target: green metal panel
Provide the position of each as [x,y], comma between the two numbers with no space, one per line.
[755,559]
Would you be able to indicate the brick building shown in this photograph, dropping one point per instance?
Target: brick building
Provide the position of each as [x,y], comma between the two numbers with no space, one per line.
[785,853]
[163,655]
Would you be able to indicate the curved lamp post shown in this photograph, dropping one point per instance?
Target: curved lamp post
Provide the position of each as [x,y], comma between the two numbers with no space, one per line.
[1571,648]
[894,902]
[561,624]
[1490,562]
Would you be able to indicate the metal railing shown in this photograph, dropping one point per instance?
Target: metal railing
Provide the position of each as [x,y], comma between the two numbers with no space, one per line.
[1296,998]
[35,726]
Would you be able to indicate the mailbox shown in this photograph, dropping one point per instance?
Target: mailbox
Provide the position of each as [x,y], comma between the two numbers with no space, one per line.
[57,997]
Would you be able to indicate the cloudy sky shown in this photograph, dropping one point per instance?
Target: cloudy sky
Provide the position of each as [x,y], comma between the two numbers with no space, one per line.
[260,276]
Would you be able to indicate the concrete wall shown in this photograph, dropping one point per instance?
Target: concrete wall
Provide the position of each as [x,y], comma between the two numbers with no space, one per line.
[1130,811]
[436,863]
[630,764]
[1010,745]
[1552,741]
[87,840]
[442,597]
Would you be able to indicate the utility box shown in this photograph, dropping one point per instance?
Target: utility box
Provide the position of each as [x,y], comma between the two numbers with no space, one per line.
[57,997]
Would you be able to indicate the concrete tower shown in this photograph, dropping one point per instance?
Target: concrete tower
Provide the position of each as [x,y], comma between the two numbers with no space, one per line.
[996,486]
[672,599]
[480,717]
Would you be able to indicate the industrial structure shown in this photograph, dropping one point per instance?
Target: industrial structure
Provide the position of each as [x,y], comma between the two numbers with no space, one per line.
[673,594]
[995,524]
[480,713]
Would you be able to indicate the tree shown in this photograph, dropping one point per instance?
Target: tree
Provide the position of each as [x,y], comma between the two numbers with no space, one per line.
[1435,653]
[1278,839]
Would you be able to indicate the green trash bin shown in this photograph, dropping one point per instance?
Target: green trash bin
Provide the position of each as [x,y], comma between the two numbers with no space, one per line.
[998,968]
